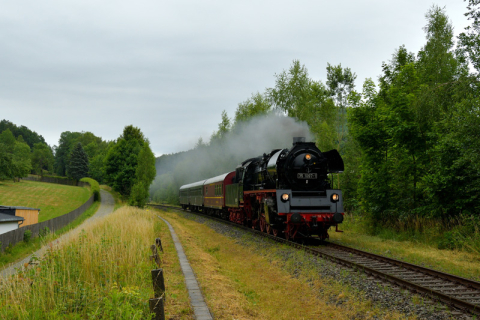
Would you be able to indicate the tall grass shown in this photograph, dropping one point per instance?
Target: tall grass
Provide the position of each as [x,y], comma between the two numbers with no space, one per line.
[101,272]
[460,233]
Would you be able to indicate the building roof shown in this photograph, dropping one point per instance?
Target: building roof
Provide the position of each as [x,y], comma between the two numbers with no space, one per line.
[7,218]
[17,207]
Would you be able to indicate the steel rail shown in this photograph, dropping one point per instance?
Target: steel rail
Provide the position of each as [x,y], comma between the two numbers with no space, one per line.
[333,252]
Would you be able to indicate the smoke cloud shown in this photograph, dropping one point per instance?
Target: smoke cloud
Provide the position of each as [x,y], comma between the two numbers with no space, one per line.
[246,140]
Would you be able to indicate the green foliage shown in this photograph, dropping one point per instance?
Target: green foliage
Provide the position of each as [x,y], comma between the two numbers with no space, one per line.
[94,147]
[145,174]
[94,187]
[418,133]
[14,156]
[5,163]
[65,145]
[27,236]
[257,105]
[29,137]
[469,41]
[44,232]
[122,160]
[78,163]
[223,127]
[292,91]
[42,158]
[22,164]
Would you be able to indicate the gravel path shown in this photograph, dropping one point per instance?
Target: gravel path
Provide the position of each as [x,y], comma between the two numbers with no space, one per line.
[106,207]
[381,294]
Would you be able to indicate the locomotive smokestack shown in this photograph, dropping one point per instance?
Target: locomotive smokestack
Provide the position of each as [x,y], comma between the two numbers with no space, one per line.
[298,140]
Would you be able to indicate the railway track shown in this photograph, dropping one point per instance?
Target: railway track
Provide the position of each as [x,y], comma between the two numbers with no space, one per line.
[454,291]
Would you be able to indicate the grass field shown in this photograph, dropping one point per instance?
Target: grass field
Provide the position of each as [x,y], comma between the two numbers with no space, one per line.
[53,200]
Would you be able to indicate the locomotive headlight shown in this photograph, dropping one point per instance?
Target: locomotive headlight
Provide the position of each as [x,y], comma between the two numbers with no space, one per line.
[308,156]
[335,197]
[285,197]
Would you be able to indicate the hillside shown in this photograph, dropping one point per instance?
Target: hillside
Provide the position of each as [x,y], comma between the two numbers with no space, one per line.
[52,199]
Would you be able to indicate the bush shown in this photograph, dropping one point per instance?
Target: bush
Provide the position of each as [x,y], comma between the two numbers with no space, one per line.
[44,232]
[94,186]
[27,236]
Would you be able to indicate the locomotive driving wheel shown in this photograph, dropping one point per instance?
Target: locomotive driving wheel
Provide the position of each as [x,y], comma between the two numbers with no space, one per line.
[269,228]
[275,232]
[262,224]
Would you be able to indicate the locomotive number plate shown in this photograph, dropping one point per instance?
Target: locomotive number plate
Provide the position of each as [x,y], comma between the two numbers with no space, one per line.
[306,176]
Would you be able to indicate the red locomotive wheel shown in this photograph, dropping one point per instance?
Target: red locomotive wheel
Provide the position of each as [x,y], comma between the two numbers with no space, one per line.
[288,232]
[269,228]
[262,224]
[275,232]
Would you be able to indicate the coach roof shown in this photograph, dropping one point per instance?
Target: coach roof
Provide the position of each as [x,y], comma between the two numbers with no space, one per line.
[191,185]
[219,178]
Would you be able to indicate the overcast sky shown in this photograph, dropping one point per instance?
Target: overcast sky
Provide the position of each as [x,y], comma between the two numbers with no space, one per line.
[171,67]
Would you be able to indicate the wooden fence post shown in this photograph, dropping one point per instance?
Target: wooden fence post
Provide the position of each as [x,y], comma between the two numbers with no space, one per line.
[158,308]
[158,282]
[158,242]
[155,254]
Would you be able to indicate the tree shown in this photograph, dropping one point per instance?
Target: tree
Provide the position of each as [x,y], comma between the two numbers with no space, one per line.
[341,85]
[223,128]
[436,60]
[42,158]
[256,105]
[144,175]
[7,146]
[5,163]
[65,145]
[469,41]
[30,137]
[292,91]
[78,163]
[22,164]
[122,160]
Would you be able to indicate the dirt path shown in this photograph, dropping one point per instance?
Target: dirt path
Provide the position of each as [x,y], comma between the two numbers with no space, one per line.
[106,207]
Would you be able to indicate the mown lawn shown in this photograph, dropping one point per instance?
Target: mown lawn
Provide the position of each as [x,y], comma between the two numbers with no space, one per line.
[53,200]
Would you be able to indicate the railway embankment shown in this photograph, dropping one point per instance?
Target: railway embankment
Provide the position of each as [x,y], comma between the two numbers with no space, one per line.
[244,276]
[353,287]
[461,263]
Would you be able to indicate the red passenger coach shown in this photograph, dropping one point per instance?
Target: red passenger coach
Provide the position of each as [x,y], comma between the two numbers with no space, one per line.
[214,194]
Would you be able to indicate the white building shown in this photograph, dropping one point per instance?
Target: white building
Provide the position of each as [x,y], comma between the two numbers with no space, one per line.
[9,222]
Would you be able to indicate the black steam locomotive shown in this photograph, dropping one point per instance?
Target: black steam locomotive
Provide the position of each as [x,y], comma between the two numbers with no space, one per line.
[286,192]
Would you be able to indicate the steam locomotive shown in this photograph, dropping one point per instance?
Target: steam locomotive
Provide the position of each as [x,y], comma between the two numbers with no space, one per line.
[285,192]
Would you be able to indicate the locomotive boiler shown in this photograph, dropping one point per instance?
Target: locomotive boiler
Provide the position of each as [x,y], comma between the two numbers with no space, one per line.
[286,192]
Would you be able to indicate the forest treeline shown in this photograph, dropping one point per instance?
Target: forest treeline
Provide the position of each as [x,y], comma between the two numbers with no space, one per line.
[126,164]
[410,140]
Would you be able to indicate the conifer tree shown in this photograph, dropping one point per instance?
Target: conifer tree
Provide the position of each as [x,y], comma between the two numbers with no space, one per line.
[78,164]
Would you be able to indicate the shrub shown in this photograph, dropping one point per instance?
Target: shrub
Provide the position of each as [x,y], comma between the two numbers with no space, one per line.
[44,232]
[27,236]
[94,186]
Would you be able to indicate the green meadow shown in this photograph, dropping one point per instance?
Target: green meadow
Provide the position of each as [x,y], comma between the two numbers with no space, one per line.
[53,200]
